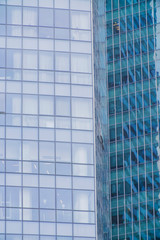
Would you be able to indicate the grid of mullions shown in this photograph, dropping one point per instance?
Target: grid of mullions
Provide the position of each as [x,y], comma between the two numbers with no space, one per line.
[46,154]
[132,38]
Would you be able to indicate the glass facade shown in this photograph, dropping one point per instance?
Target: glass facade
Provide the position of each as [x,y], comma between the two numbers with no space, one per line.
[133,78]
[47,170]
[101,121]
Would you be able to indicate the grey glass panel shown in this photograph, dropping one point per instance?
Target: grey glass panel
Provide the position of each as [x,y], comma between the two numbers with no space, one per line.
[47,198]
[62,18]
[64,199]
[30,197]
[14,15]
[45,17]
[13,197]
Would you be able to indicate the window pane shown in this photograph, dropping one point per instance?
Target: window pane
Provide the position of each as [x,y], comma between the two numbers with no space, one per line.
[62,61]
[29,16]
[45,17]
[2,14]
[62,18]
[30,59]
[62,4]
[14,15]
[46,3]
[30,150]
[13,197]
[83,200]
[46,151]
[63,106]
[80,4]
[14,59]
[64,199]
[46,60]
[81,63]
[13,150]
[30,197]
[30,104]
[46,106]
[82,153]
[81,107]
[80,20]
[47,198]
[65,155]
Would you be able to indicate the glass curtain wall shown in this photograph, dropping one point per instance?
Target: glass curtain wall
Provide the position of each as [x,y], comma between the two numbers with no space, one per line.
[133,97]
[47,172]
[101,119]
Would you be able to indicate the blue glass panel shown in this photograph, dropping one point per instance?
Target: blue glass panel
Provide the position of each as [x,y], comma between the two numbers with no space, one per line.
[149,181]
[116,52]
[112,134]
[128,214]
[128,186]
[113,189]
[132,101]
[156,208]
[139,99]
[136,21]
[124,77]
[113,161]
[134,157]
[116,26]
[133,128]
[126,131]
[114,217]
[110,80]
[146,99]
[118,105]
[119,160]
[148,154]
[121,3]
[122,25]
[130,49]
[110,54]
[125,103]
[143,19]
[119,132]
[147,126]
[109,29]
[134,184]
[131,75]
[121,216]
[108,5]
[137,47]
[111,107]
[135,213]
[140,127]
[123,50]
[129,23]
[117,78]
[149,18]
[120,188]
[142,183]
[155,152]
[144,45]
[152,70]
[151,44]
[138,73]
[127,158]
[141,155]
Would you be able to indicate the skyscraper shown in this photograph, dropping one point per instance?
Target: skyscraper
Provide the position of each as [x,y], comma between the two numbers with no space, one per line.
[132,35]
[47,164]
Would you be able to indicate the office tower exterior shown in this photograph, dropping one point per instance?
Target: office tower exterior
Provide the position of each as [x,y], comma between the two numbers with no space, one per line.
[47,170]
[133,64]
[101,121]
